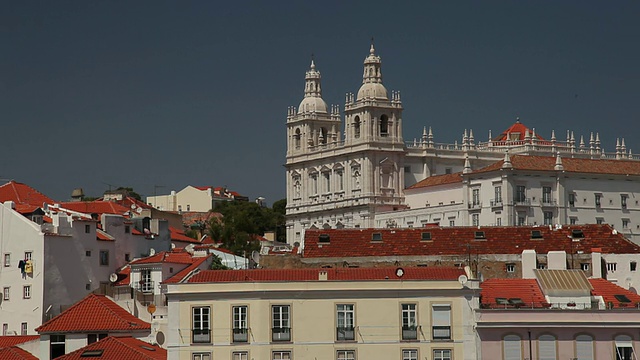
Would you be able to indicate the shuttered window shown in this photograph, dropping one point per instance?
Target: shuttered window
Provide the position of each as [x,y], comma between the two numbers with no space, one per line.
[512,347]
[441,321]
[584,347]
[547,347]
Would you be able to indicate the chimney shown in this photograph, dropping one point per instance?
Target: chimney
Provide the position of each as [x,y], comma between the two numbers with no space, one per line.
[322,275]
[10,205]
[596,263]
[529,263]
[557,260]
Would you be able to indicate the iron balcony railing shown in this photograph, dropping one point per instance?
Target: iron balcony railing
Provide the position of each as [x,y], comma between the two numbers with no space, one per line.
[345,333]
[200,336]
[281,334]
[410,333]
[240,335]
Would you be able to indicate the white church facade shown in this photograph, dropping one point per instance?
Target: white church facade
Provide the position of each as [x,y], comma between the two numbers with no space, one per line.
[355,170]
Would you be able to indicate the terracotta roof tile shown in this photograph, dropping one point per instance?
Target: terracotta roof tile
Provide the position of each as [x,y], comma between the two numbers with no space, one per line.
[176,256]
[123,276]
[458,240]
[571,165]
[182,274]
[333,274]
[517,128]
[608,290]
[91,314]
[525,289]
[22,194]
[436,180]
[16,353]
[6,341]
[97,207]
[118,348]
[179,235]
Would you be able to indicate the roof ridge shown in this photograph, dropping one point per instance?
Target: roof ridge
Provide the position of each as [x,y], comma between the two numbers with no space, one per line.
[67,310]
[116,338]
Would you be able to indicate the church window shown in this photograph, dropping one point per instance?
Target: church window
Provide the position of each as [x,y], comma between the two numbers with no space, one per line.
[296,138]
[340,174]
[356,127]
[327,181]
[314,182]
[356,179]
[323,136]
[384,125]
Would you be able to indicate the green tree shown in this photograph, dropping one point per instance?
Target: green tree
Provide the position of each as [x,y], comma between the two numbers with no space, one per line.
[216,264]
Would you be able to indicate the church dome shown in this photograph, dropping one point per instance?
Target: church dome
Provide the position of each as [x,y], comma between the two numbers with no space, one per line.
[313,104]
[372,90]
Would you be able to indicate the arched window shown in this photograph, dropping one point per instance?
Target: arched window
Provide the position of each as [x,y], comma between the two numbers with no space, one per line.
[323,134]
[384,125]
[584,347]
[547,347]
[296,138]
[356,127]
[624,348]
[512,347]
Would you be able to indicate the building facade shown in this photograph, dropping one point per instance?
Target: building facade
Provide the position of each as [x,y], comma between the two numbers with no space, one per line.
[345,314]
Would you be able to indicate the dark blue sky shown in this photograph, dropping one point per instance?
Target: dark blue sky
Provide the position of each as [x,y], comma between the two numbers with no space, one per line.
[135,93]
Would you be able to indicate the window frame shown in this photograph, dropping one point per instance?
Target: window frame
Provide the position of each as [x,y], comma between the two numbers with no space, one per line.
[436,326]
[282,320]
[104,257]
[240,355]
[7,260]
[240,323]
[442,355]
[346,332]
[346,355]
[201,326]
[409,324]
[24,328]
[60,339]
[6,293]
[281,353]
[201,355]
[26,291]
[410,354]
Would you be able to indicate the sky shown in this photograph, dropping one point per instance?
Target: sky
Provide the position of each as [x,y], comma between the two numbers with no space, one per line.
[158,95]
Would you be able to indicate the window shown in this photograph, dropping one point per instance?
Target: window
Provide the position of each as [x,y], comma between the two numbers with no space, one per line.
[7,260]
[448,170]
[201,331]
[541,266]
[345,317]
[87,228]
[584,266]
[584,347]
[633,266]
[104,257]
[511,268]
[146,284]
[498,194]
[573,220]
[425,236]
[240,324]
[26,292]
[548,218]
[441,322]
[127,229]
[127,257]
[572,199]
[179,208]
[598,199]
[409,322]
[28,255]
[521,193]
[346,355]
[547,347]
[6,292]
[240,355]
[56,346]
[442,354]
[599,221]
[327,182]
[498,221]
[625,223]
[452,223]
[611,267]
[546,194]
[87,253]
[281,330]
[475,219]
[188,207]
[410,354]
[201,356]
[624,348]
[376,237]
[5,329]
[475,196]
[356,127]
[281,355]
[314,182]
[91,338]
[340,174]
[23,328]
[522,219]
[512,347]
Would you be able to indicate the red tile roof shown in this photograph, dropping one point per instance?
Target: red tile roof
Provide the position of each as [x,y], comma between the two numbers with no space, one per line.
[179,235]
[118,348]
[460,240]
[607,289]
[176,256]
[333,274]
[91,314]
[22,194]
[97,207]
[572,165]
[123,276]
[436,180]
[516,128]
[16,353]
[101,235]
[6,341]
[182,274]
[525,289]
[193,217]
[26,208]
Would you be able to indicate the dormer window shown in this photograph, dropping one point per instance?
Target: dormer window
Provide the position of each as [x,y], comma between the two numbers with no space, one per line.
[376,237]
[324,238]
[425,236]
[479,235]
[536,234]
[577,234]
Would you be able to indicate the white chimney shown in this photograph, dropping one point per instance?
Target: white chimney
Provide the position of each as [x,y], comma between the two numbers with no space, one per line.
[322,275]
[596,265]
[529,263]
[557,260]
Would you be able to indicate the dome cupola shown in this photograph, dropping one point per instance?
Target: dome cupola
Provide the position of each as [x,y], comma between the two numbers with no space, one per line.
[312,101]
[372,78]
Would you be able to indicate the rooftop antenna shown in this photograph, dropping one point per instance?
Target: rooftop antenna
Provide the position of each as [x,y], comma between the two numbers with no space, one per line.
[110,185]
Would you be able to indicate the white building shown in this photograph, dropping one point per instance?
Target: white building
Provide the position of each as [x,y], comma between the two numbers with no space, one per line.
[353,170]
[193,198]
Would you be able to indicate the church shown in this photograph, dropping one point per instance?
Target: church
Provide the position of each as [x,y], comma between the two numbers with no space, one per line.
[354,170]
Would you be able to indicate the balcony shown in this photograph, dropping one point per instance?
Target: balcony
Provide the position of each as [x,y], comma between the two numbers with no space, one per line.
[281,334]
[409,333]
[475,205]
[345,333]
[200,336]
[145,286]
[240,335]
[496,203]
[441,332]
[521,201]
[548,202]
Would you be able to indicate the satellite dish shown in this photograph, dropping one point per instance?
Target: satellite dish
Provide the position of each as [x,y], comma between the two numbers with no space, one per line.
[113,277]
[133,206]
[138,209]
[152,252]
[160,338]
[255,256]
[462,279]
